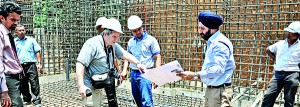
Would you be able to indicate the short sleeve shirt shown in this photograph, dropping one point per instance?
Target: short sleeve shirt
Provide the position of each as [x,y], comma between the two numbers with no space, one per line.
[143,49]
[287,58]
[94,58]
[27,49]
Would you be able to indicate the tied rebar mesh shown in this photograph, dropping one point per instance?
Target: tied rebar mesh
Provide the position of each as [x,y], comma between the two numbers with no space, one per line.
[62,26]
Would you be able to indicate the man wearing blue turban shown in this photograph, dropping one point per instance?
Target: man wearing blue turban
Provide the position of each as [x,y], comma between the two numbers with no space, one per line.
[218,65]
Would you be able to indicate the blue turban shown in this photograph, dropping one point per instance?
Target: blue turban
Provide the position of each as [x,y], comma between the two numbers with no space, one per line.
[210,20]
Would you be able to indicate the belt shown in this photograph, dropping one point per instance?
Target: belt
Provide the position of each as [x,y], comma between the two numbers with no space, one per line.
[136,70]
[19,76]
[27,63]
[219,86]
[282,71]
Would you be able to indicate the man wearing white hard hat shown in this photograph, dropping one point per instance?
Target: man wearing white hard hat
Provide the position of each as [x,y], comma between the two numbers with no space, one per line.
[146,49]
[94,65]
[286,54]
[100,21]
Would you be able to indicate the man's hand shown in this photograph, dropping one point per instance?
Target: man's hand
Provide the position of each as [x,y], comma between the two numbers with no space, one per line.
[141,67]
[39,67]
[154,85]
[5,99]
[82,89]
[186,75]
[122,77]
[123,74]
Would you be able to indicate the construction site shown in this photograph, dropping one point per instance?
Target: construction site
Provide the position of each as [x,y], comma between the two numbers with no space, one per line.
[62,26]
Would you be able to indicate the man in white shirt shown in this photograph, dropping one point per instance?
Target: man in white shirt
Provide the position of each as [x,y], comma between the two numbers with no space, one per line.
[286,54]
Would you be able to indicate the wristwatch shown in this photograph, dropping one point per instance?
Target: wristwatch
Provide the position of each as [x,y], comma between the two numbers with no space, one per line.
[196,75]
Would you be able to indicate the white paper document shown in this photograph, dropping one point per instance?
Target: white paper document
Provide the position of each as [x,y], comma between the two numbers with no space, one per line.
[164,74]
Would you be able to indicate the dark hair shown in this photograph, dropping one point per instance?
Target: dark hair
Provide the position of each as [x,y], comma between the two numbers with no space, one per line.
[98,27]
[10,7]
[1,11]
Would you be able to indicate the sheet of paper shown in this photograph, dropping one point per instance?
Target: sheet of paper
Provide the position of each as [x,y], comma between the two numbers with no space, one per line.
[164,74]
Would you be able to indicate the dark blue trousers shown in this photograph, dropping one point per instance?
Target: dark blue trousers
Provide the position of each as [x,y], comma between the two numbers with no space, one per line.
[141,89]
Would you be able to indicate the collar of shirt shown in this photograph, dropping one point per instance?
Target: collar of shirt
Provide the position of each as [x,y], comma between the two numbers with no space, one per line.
[6,31]
[286,41]
[213,37]
[287,57]
[144,36]
[18,39]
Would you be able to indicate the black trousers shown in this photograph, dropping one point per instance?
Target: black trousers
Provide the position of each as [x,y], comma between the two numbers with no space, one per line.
[111,94]
[31,76]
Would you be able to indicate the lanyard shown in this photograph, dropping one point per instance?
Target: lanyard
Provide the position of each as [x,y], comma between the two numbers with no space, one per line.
[107,60]
[107,52]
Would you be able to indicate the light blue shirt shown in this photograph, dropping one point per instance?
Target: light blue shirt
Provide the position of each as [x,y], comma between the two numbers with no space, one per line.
[219,62]
[27,49]
[287,58]
[143,49]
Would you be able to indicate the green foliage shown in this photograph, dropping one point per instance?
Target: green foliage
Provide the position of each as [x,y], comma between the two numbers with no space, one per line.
[50,13]
[45,12]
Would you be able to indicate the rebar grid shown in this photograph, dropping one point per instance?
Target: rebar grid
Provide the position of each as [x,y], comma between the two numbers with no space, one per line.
[251,25]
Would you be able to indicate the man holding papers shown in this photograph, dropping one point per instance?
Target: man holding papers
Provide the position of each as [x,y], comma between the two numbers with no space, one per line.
[219,62]
[146,49]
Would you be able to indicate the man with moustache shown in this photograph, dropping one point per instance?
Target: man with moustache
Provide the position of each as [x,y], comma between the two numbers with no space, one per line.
[9,62]
[286,54]
[146,49]
[218,65]
[28,51]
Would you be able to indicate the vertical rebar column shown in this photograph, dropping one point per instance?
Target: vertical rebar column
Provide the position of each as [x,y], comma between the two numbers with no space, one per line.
[68,69]
[47,38]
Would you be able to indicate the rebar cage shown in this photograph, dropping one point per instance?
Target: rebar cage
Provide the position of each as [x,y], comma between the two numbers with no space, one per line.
[62,26]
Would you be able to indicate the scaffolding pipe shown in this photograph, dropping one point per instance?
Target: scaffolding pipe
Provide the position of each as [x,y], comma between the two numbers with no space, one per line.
[68,69]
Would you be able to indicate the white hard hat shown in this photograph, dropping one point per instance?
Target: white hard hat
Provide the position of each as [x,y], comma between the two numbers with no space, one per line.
[294,27]
[113,24]
[134,22]
[100,21]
